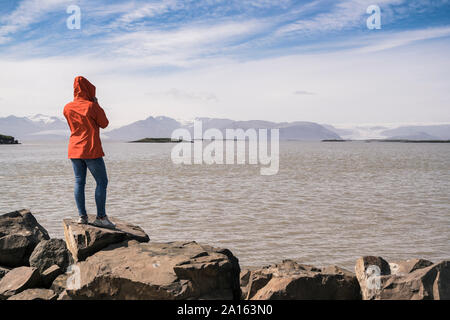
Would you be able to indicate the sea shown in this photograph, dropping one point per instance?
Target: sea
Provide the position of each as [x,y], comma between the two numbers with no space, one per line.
[329,204]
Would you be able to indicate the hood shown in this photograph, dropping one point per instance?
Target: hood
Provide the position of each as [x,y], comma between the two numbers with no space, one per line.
[83,89]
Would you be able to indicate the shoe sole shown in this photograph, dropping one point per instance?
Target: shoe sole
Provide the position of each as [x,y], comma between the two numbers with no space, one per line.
[103,226]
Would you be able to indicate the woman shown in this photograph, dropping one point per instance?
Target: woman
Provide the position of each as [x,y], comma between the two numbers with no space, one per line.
[85,118]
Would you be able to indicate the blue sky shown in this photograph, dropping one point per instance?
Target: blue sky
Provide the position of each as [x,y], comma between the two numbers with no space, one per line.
[259,59]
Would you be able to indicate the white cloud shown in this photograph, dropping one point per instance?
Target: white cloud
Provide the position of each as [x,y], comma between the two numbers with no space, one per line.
[396,85]
[148,10]
[303,92]
[403,38]
[342,15]
[184,95]
[376,79]
[182,46]
[27,13]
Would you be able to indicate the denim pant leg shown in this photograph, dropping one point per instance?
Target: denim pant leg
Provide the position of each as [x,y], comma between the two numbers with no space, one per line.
[79,169]
[98,170]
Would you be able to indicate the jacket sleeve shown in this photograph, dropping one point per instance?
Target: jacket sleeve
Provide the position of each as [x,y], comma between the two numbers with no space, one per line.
[100,116]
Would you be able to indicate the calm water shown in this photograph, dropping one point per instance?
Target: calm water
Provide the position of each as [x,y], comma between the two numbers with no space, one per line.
[329,204]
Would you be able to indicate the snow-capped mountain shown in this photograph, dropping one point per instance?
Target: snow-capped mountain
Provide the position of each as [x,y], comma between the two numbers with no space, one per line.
[43,119]
[43,127]
[359,132]
[37,127]
[392,131]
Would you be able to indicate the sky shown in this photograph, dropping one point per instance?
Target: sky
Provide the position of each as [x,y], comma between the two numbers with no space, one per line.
[282,60]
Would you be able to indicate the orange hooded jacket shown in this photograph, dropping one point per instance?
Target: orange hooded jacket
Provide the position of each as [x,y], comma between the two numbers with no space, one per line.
[85,118]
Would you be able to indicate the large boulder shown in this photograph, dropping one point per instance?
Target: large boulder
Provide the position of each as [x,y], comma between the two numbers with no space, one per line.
[369,270]
[19,234]
[407,266]
[429,283]
[83,240]
[290,280]
[35,294]
[51,252]
[18,280]
[163,271]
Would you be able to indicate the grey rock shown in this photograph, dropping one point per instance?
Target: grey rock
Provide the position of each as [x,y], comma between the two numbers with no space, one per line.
[290,280]
[18,280]
[429,283]
[50,274]
[35,294]
[368,271]
[162,271]
[19,235]
[51,252]
[407,266]
[244,278]
[83,240]
[60,283]
[3,272]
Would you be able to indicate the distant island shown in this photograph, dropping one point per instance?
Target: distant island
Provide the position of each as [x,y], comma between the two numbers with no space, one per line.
[392,140]
[410,141]
[158,140]
[8,140]
[335,140]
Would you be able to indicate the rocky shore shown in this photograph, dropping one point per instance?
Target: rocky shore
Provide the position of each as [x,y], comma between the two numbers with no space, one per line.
[98,263]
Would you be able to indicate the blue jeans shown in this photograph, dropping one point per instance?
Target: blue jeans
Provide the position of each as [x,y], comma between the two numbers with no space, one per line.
[98,170]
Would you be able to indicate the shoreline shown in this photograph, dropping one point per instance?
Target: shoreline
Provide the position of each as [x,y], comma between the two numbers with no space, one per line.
[40,268]
[390,140]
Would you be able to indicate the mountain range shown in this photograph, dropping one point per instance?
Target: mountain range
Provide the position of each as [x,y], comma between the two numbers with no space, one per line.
[37,127]
[42,127]
[162,127]
[405,132]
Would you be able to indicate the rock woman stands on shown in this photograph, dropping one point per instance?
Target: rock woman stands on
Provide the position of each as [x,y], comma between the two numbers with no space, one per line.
[85,117]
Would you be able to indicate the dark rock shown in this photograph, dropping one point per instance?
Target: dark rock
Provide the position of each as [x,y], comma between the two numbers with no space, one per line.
[293,281]
[429,283]
[50,274]
[60,283]
[7,140]
[85,240]
[51,252]
[244,280]
[368,271]
[35,294]
[18,280]
[19,234]
[257,280]
[408,266]
[166,271]
[3,272]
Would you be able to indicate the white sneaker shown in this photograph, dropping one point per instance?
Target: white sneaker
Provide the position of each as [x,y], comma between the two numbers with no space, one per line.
[104,223]
[83,220]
